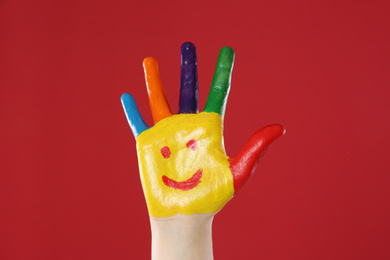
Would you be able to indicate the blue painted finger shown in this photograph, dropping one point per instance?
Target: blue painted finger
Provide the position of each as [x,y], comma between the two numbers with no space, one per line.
[188,79]
[136,122]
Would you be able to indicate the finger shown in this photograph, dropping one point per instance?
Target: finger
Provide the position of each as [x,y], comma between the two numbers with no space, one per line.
[188,102]
[244,164]
[220,86]
[136,122]
[157,99]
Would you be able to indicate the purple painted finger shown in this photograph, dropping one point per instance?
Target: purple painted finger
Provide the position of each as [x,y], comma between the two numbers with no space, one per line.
[188,102]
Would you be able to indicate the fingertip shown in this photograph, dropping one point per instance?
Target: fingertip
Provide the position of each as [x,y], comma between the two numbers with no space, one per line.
[188,53]
[278,129]
[126,98]
[226,55]
[272,132]
[227,49]
[149,61]
[284,130]
[188,46]
[128,103]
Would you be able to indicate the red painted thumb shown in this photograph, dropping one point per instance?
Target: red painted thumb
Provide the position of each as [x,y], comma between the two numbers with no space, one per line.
[244,164]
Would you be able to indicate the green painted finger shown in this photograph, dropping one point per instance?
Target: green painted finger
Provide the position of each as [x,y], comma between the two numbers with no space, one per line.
[220,87]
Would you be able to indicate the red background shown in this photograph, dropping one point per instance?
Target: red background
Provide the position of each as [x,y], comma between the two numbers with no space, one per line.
[69,185]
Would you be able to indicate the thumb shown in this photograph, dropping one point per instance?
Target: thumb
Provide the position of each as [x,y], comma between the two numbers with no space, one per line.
[244,164]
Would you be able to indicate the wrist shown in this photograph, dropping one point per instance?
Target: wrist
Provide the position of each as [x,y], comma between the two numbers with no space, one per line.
[182,237]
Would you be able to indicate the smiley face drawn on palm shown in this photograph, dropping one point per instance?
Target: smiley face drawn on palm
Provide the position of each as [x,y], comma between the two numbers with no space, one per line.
[190,170]
[183,165]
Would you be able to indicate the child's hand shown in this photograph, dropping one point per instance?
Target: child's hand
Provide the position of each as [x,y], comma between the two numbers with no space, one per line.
[182,160]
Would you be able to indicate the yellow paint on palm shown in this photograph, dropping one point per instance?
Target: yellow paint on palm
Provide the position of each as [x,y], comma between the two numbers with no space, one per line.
[183,165]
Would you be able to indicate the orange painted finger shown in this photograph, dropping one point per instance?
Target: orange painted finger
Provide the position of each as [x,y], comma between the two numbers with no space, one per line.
[157,99]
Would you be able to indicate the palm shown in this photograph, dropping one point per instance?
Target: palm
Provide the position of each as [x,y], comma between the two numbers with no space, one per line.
[183,165]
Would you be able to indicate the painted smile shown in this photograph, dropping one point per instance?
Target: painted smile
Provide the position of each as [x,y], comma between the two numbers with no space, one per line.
[184,185]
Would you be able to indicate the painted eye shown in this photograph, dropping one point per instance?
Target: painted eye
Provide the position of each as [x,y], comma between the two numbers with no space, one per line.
[165,152]
[192,144]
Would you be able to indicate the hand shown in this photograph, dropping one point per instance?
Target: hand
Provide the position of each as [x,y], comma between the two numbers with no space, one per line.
[183,165]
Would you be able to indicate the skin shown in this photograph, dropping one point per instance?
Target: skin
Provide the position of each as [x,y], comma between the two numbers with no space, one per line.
[185,173]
